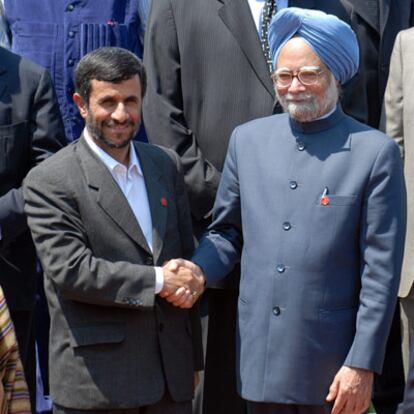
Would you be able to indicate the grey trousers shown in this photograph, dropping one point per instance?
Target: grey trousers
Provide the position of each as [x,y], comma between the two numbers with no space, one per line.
[165,406]
[407,327]
[272,408]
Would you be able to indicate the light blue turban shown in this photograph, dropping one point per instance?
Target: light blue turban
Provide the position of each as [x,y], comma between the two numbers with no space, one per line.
[332,39]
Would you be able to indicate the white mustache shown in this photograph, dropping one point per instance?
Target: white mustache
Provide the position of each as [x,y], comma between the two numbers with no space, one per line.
[299,96]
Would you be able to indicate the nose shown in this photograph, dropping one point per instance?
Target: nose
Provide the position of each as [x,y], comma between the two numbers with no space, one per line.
[120,113]
[296,86]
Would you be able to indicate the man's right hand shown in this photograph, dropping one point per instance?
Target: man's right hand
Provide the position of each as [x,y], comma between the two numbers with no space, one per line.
[183,283]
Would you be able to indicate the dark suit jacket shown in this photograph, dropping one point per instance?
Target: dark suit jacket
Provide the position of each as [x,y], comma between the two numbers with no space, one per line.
[30,130]
[114,344]
[376,24]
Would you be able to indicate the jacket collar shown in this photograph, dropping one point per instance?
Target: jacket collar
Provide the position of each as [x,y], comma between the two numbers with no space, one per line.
[111,199]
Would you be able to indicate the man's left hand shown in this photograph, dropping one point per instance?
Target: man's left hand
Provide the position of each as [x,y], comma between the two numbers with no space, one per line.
[351,390]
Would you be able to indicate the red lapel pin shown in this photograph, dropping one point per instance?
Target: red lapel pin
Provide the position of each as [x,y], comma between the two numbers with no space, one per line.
[325,200]
[164,201]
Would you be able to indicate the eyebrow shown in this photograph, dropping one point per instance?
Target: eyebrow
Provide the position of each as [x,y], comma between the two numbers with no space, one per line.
[111,98]
[310,67]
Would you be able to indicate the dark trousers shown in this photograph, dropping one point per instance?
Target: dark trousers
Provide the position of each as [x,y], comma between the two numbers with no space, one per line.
[165,406]
[271,408]
[25,332]
[220,392]
[198,395]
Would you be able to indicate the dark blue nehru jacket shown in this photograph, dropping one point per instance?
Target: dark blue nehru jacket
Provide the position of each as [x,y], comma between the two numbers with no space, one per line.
[56,34]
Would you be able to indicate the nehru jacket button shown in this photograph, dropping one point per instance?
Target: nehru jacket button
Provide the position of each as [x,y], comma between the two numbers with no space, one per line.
[149,261]
[287,226]
[71,62]
[70,7]
[280,268]
[301,146]
[71,34]
[293,185]
[276,311]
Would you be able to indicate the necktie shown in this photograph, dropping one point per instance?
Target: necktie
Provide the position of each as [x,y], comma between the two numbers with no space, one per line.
[269,10]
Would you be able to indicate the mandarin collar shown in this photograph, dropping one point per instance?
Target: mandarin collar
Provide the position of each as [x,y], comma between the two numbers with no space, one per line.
[318,125]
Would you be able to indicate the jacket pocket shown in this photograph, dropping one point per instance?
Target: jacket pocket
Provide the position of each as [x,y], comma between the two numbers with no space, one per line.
[110,333]
[96,35]
[341,200]
[36,41]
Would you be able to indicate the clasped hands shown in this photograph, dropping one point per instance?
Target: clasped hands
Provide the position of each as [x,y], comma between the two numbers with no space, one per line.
[183,283]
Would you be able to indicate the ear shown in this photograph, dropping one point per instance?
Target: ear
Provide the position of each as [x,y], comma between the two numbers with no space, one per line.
[81,104]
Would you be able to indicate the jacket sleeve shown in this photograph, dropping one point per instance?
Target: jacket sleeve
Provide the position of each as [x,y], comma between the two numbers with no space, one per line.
[220,249]
[62,245]
[46,137]
[382,237]
[164,114]
[394,98]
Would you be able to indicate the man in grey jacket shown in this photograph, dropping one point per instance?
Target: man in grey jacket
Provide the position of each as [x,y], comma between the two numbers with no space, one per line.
[105,214]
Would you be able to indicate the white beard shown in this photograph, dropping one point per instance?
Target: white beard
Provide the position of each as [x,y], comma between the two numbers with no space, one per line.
[308,108]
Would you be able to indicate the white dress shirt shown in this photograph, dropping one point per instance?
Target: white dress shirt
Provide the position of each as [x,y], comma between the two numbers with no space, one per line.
[132,184]
[256,7]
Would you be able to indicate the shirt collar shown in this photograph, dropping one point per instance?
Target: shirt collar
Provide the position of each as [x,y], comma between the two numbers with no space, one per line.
[110,162]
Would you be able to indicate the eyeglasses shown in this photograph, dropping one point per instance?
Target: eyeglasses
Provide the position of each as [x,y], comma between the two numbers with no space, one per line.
[307,75]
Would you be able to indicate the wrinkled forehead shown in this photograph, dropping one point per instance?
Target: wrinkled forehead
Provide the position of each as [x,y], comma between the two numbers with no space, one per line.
[297,53]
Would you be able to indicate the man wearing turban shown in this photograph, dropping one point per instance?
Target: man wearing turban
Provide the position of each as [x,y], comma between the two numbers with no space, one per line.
[312,203]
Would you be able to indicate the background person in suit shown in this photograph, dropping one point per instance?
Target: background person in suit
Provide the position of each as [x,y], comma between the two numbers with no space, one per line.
[318,287]
[104,214]
[56,34]
[376,24]
[207,74]
[398,109]
[31,129]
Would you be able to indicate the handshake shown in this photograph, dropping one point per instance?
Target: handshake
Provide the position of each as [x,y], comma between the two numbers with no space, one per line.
[183,283]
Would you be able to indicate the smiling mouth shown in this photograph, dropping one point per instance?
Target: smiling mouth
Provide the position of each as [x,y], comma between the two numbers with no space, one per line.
[120,127]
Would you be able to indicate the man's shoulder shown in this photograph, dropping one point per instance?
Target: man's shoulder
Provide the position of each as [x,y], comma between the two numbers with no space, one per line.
[15,63]
[361,131]
[263,125]
[368,140]
[57,166]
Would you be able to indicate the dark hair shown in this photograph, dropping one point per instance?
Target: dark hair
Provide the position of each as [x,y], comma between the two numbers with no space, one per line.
[108,64]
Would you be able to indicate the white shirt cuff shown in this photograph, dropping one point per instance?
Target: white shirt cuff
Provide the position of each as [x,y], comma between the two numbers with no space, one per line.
[159,279]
